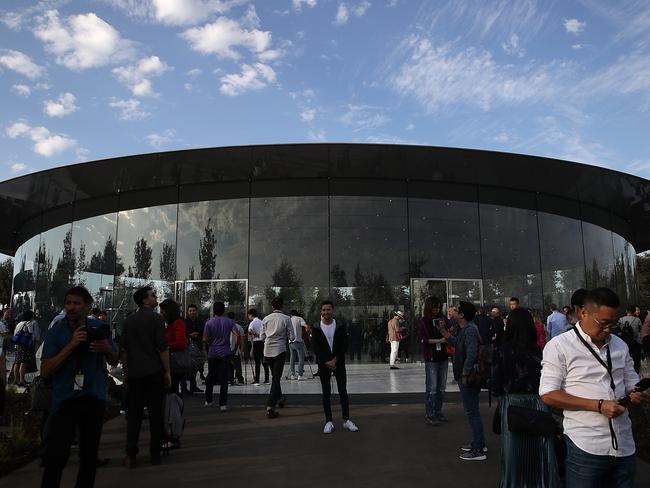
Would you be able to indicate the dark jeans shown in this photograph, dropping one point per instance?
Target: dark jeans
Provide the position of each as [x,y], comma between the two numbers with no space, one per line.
[584,470]
[147,391]
[469,397]
[276,364]
[235,370]
[258,356]
[324,373]
[217,373]
[435,384]
[87,415]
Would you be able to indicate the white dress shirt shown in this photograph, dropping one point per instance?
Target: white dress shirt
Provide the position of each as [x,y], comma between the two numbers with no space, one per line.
[569,366]
[255,327]
[276,331]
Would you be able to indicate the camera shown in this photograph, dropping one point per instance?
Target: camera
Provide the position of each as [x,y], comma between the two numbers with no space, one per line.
[96,333]
[642,385]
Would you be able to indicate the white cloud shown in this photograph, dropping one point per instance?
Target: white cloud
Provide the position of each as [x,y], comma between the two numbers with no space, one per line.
[21,64]
[298,4]
[194,72]
[45,143]
[129,109]
[513,47]
[342,15]
[360,9]
[176,12]
[160,140]
[136,77]
[22,90]
[410,126]
[578,46]
[62,106]
[574,26]
[443,76]
[271,55]
[360,117]
[12,20]
[317,135]
[82,41]
[252,77]
[188,87]
[17,167]
[223,36]
[308,115]
[502,137]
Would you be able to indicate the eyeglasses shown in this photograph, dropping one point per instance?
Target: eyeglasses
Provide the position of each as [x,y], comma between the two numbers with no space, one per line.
[606,324]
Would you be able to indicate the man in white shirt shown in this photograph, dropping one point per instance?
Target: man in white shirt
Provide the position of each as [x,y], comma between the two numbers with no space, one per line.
[297,347]
[254,335]
[556,323]
[585,371]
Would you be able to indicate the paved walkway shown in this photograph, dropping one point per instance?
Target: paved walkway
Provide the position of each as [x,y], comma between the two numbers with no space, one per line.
[239,448]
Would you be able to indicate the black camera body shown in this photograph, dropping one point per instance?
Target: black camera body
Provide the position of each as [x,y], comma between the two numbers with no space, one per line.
[642,385]
[96,333]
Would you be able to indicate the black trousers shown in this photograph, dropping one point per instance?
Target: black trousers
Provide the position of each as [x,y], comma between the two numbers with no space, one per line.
[324,373]
[258,356]
[235,370]
[218,371]
[87,415]
[147,391]
[276,364]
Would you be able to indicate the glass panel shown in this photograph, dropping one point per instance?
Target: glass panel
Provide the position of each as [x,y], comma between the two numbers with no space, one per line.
[466,291]
[599,256]
[213,239]
[305,300]
[233,294]
[510,256]
[563,269]
[440,229]
[625,274]
[25,275]
[421,289]
[56,271]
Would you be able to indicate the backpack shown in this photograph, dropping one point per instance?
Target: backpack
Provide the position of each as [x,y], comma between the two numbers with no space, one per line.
[627,333]
[23,337]
[481,371]
[173,421]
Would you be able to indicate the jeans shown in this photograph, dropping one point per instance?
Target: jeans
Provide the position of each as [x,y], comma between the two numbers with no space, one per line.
[469,396]
[258,356]
[147,391]
[276,364]
[584,470]
[86,414]
[324,374]
[394,348]
[297,349]
[435,384]
[218,371]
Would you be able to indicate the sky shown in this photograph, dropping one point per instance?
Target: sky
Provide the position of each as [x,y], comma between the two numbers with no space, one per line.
[87,80]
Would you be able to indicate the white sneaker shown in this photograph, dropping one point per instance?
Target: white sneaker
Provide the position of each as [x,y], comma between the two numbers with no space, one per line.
[223,408]
[207,404]
[349,425]
[300,377]
[256,384]
[329,427]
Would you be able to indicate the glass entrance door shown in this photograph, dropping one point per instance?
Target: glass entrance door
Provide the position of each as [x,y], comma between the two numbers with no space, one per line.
[449,291]
[203,294]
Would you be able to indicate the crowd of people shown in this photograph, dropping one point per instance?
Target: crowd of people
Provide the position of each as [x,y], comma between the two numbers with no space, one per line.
[581,364]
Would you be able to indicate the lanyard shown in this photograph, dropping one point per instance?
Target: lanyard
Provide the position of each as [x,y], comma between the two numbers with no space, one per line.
[612,385]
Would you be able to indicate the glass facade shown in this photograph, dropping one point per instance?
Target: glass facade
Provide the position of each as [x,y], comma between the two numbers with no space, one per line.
[370,253]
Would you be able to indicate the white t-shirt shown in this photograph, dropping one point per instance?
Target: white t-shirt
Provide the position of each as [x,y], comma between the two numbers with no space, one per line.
[297,323]
[255,327]
[328,330]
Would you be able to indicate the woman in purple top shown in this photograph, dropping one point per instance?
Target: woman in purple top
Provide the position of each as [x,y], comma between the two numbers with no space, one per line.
[216,338]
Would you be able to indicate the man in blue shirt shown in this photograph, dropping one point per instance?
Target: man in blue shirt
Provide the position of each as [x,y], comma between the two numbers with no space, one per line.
[556,323]
[74,357]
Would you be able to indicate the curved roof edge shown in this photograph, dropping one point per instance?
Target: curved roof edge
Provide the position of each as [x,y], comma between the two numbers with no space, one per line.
[26,198]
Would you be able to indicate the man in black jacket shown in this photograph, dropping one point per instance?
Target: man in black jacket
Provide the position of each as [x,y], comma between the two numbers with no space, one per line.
[330,343]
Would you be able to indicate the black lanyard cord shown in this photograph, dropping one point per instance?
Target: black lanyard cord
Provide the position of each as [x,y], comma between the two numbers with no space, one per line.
[612,385]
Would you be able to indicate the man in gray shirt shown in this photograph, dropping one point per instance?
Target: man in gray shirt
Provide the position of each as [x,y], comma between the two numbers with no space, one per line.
[276,330]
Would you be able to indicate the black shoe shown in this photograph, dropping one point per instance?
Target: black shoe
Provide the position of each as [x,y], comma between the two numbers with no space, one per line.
[272,414]
[394,367]
[280,403]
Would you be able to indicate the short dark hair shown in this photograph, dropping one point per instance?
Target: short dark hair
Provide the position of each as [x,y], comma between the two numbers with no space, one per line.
[578,297]
[326,302]
[294,313]
[140,294]
[219,308]
[514,299]
[27,315]
[191,305]
[277,303]
[553,306]
[172,308]
[602,297]
[96,311]
[253,312]
[631,308]
[79,291]
[468,310]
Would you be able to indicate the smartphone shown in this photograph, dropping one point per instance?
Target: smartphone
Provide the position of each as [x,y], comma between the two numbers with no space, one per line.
[642,385]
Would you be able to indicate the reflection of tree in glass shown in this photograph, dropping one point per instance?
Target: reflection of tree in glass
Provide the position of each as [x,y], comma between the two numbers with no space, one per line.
[142,259]
[231,292]
[416,267]
[338,276]
[64,273]
[286,283]
[372,289]
[207,252]
[44,263]
[81,262]
[107,262]
[168,262]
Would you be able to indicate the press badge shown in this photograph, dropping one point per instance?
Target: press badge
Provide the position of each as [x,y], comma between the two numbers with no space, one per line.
[438,347]
[78,382]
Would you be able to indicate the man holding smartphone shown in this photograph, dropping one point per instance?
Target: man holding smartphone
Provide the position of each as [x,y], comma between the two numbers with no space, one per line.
[330,343]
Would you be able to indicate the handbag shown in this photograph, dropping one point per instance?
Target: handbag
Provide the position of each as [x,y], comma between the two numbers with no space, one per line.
[23,337]
[181,362]
[529,421]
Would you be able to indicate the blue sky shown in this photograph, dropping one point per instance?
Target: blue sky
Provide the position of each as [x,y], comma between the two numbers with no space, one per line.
[85,80]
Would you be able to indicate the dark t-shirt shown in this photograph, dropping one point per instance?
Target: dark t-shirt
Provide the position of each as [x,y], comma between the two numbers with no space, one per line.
[143,339]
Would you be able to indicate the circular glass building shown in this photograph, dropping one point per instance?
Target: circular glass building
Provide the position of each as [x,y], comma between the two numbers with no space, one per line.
[373,227]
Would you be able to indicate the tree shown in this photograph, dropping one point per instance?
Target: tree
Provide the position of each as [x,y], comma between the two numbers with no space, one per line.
[168,262]
[64,273]
[207,252]
[643,270]
[142,259]
[6,276]
[106,262]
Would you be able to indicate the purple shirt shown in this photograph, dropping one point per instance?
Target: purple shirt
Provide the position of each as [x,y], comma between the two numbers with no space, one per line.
[217,334]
